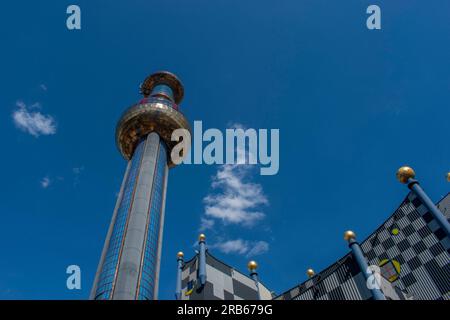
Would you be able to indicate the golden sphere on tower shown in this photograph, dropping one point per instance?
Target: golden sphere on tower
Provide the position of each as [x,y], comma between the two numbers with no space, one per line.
[448,176]
[405,173]
[180,254]
[252,265]
[201,237]
[349,235]
[310,272]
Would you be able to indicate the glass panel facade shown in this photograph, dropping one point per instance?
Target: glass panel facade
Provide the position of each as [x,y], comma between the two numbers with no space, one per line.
[147,271]
[148,268]
[110,264]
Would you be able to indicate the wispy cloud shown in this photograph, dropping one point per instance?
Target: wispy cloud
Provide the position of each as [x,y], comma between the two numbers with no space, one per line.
[238,246]
[242,247]
[234,200]
[206,224]
[258,247]
[76,173]
[43,87]
[77,170]
[33,122]
[45,182]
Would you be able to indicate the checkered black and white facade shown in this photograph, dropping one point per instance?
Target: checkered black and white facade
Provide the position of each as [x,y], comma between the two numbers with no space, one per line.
[222,282]
[412,251]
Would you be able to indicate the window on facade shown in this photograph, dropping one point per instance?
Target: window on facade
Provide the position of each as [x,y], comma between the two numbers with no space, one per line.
[390,269]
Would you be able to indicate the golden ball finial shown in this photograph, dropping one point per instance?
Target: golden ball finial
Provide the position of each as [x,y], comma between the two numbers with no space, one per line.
[252,265]
[405,173]
[348,235]
[180,254]
[201,237]
[448,176]
[310,273]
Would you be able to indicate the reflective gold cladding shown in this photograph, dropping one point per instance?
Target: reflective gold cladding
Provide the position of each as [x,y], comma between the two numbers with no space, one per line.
[167,78]
[141,119]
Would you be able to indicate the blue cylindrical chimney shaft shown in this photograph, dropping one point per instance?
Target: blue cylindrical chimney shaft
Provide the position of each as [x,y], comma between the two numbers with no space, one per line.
[437,215]
[130,266]
[364,267]
[202,261]
[130,260]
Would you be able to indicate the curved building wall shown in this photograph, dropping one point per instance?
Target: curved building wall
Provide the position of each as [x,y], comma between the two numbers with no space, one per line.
[411,250]
[222,282]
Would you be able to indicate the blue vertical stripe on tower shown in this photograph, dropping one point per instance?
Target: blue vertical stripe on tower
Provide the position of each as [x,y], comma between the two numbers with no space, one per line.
[148,269]
[110,264]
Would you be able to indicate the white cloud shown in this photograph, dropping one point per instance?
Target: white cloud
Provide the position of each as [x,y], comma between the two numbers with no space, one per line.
[206,224]
[259,247]
[243,247]
[33,122]
[35,105]
[43,87]
[21,104]
[236,201]
[233,246]
[45,182]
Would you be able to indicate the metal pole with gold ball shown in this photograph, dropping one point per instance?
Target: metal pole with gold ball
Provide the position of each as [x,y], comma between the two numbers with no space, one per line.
[310,273]
[202,259]
[252,266]
[406,175]
[180,261]
[357,253]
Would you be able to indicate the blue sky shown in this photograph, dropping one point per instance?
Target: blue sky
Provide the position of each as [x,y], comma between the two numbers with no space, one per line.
[352,105]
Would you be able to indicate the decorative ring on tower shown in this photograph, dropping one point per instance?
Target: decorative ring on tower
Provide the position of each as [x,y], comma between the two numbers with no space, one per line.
[180,255]
[163,77]
[153,114]
[201,237]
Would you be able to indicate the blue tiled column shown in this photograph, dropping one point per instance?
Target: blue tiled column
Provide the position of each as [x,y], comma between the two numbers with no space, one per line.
[202,260]
[435,212]
[362,263]
[180,256]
